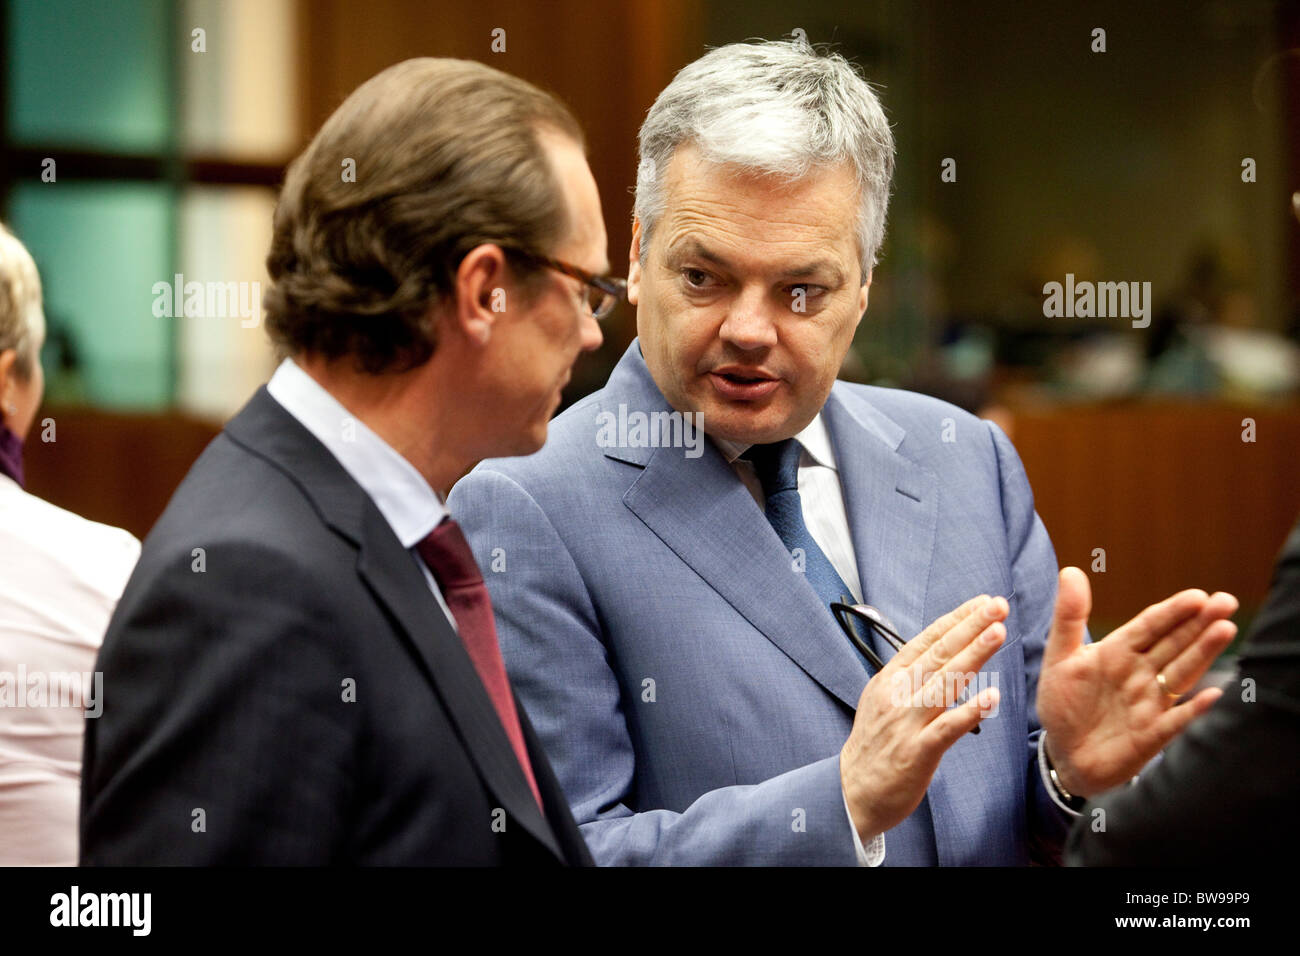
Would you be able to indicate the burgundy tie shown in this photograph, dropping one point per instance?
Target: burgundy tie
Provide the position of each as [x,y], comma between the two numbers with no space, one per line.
[448,556]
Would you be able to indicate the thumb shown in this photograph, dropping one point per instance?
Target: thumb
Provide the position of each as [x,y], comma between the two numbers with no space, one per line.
[1070,619]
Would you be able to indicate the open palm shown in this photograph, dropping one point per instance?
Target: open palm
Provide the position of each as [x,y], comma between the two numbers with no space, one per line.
[1101,704]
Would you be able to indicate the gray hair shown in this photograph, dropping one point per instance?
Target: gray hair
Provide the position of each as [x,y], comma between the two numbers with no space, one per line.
[22,321]
[776,107]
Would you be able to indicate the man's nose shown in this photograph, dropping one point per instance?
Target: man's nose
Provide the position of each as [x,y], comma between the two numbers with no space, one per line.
[590,332]
[750,323]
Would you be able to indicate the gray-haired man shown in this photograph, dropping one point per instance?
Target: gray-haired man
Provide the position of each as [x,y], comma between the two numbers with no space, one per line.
[664,614]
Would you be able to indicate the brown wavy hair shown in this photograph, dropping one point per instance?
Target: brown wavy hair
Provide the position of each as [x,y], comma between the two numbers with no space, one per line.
[447,157]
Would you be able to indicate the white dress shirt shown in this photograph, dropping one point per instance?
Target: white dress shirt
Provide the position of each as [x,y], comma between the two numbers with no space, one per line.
[410,506]
[60,578]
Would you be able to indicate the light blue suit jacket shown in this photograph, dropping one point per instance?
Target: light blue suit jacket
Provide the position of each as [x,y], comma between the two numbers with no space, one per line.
[692,693]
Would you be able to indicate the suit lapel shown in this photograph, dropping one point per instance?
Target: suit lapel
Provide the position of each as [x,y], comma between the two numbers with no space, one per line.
[392,575]
[892,507]
[704,513]
[265,429]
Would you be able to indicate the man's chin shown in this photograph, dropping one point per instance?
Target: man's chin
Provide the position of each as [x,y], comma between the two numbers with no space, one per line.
[746,424]
[521,442]
[535,440]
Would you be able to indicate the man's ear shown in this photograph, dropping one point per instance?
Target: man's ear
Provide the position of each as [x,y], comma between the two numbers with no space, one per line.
[634,263]
[863,293]
[482,295]
[8,371]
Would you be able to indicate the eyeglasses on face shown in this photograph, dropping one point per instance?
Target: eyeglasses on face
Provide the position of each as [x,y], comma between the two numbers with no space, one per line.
[601,293]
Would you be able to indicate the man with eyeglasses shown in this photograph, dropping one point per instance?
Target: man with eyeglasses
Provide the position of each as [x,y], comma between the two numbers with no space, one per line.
[667,618]
[304,668]
[599,293]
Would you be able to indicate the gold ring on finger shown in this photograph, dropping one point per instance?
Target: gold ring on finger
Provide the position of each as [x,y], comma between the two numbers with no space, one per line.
[1164,687]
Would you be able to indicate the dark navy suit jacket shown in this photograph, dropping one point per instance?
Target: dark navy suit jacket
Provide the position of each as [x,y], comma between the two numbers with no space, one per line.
[302,699]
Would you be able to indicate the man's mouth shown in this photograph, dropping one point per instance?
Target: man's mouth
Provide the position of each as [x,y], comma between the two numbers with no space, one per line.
[743,384]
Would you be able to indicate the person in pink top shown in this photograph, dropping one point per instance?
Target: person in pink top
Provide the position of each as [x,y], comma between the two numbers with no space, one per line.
[60,578]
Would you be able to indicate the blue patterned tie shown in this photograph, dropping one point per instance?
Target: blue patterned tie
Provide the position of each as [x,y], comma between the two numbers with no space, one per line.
[777,467]
[911,843]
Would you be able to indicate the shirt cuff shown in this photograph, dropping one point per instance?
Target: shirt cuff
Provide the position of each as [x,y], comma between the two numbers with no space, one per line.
[1047,779]
[874,852]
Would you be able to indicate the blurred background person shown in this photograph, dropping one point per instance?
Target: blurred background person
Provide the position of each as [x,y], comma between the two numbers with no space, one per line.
[60,578]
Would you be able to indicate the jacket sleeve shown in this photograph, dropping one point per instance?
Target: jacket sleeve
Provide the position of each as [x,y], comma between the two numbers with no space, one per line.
[1033,579]
[551,638]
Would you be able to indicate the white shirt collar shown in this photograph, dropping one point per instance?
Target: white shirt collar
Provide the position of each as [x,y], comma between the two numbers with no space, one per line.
[407,502]
[815,439]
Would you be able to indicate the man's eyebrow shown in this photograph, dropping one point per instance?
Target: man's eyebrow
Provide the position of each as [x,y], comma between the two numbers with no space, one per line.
[821,267]
[693,248]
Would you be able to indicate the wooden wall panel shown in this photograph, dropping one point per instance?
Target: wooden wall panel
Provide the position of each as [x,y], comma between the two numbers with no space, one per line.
[1170,491]
[115,468]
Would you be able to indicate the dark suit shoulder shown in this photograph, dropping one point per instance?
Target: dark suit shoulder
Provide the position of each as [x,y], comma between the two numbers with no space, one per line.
[234,495]
[1271,654]
[239,566]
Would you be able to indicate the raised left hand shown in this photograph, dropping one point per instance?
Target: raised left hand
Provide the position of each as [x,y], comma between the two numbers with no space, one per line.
[1104,710]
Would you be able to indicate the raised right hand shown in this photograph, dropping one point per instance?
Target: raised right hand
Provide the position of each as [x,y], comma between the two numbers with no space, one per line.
[905,719]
